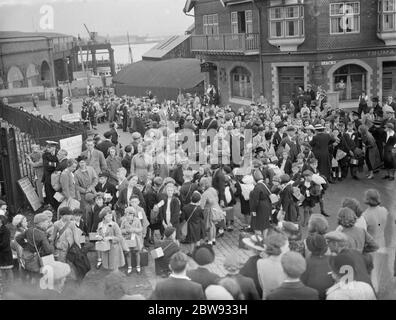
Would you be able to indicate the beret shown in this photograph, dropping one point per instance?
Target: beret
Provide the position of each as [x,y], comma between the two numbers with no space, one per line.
[336,236]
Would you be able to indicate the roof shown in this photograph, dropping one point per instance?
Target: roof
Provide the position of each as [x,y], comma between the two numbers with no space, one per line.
[231,2]
[191,3]
[20,34]
[164,47]
[183,73]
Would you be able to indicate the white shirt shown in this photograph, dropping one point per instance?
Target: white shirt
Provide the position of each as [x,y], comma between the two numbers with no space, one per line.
[168,210]
[388,135]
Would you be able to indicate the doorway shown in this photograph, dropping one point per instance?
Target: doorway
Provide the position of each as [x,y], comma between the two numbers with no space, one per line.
[290,78]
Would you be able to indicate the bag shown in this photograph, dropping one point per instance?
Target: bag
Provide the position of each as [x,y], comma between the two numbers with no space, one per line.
[55,180]
[340,155]
[354,162]
[159,252]
[218,215]
[184,227]
[131,243]
[143,259]
[334,163]
[31,261]
[102,246]
[79,259]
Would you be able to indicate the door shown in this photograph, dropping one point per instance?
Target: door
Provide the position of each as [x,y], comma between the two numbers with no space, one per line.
[290,78]
[389,79]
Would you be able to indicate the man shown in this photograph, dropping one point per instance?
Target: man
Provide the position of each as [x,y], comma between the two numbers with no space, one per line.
[67,181]
[86,179]
[35,160]
[218,182]
[106,144]
[211,122]
[50,162]
[62,158]
[320,147]
[106,188]
[391,102]
[178,286]
[346,145]
[338,243]
[290,143]
[122,180]
[203,255]
[188,187]
[126,161]
[279,134]
[292,288]
[114,133]
[94,158]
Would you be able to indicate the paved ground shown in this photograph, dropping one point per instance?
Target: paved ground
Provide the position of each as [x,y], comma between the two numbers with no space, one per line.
[93,284]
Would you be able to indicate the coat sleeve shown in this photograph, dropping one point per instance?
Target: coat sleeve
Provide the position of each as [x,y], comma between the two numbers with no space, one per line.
[5,239]
[102,162]
[64,181]
[253,200]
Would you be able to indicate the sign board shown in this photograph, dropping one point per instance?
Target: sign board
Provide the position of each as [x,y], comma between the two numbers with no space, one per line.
[72,117]
[30,193]
[208,66]
[328,63]
[72,145]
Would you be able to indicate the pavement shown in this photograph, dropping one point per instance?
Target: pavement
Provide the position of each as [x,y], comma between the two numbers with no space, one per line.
[92,287]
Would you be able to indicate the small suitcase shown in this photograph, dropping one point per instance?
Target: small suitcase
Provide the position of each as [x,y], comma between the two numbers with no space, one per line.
[143,259]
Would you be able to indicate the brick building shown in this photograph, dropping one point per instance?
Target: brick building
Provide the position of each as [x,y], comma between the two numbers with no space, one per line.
[273,46]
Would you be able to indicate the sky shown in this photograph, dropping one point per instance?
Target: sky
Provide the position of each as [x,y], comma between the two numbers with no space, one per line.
[107,17]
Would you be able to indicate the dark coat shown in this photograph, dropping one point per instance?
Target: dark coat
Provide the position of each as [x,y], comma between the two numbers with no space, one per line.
[294,148]
[25,240]
[5,247]
[108,188]
[50,162]
[61,165]
[151,198]
[174,209]
[320,147]
[389,159]
[126,163]
[196,226]
[186,191]
[93,218]
[250,270]
[261,204]
[314,194]
[247,286]
[317,275]
[114,136]
[293,291]
[122,202]
[245,208]
[289,204]
[169,248]
[218,182]
[104,146]
[203,276]
[177,289]
[363,264]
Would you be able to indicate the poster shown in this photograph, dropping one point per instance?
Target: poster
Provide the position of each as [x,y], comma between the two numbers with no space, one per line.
[30,193]
[72,145]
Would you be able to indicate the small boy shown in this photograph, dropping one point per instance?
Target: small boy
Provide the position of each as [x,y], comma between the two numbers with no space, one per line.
[311,191]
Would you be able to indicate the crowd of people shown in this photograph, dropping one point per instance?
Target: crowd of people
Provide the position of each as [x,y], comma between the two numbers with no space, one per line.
[270,164]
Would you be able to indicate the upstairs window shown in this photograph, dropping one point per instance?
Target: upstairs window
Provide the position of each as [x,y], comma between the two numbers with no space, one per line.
[211,24]
[242,22]
[387,15]
[286,22]
[344,17]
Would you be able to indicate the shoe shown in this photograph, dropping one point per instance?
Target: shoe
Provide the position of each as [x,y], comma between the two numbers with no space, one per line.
[98,264]
[325,214]
[370,177]
[129,271]
[376,171]
[386,177]
[214,243]
[138,270]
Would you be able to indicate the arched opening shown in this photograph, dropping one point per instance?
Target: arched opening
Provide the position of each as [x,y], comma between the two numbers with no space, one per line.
[45,74]
[14,78]
[241,83]
[32,76]
[350,81]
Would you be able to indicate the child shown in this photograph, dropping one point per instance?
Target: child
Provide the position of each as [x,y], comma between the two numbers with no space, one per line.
[289,205]
[311,192]
[230,197]
[132,229]
[6,262]
[93,215]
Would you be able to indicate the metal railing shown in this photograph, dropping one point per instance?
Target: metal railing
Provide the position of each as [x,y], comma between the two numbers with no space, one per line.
[239,43]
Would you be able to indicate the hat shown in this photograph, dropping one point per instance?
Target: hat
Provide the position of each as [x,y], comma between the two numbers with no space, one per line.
[107,134]
[317,244]
[259,149]
[217,292]
[319,127]
[40,217]
[280,125]
[128,148]
[307,173]
[232,263]
[375,99]
[355,113]
[168,180]
[336,236]
[104,174]
[388,109]
[157,181]
[65,211]
[390,125]
[17,219]
[81,158]
[169,231]
[203,255]
[254,242]
[195,197]
[377,122]
[51,143]
[155,110]
[60,270]
[136,135]
[289,227]
[105,211]
[310,127]
[284,178]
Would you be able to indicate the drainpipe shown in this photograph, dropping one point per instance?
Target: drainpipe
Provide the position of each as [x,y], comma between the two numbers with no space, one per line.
[260,47]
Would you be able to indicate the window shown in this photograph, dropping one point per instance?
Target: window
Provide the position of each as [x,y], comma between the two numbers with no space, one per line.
[242,22]
[344,17]
[387,15]
[286,22]
[241,86]
[350,81]
[234,22]
[211,24]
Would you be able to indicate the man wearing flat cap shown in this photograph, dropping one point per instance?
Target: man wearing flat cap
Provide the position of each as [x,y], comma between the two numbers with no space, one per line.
[35,160]
[50,162]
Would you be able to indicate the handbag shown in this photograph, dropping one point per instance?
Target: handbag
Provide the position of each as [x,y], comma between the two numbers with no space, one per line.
[217,214]
[102,246]
[45,260]
[159,252]
[184,227]
[340,154]
[334,163]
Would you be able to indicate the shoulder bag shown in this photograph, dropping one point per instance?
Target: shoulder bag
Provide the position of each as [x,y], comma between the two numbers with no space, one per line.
[184,228]
[45,260]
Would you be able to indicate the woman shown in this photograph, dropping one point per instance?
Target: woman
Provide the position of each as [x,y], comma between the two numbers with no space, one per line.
[193,214]
[372,156]
[244,186]
[169,212]
[317,224]
[260,204]
[359,239]
[389,157]
[113,164]
[108,230]
[355,206]
[21,225]
[316,275]
[210,203]
[141,164]
[132,229]
[270,271]
[6,261]
[379,221]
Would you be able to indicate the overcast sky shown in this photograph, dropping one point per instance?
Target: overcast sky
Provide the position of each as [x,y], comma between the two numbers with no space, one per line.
[107,17]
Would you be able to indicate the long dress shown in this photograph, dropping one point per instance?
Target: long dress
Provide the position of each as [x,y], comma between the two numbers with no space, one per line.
[195,224]
[260,203]
[114,258]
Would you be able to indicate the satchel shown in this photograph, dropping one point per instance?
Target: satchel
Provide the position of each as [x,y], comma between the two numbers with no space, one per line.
[31,261]
[184,227]
[218,215]
[159,252]
[102,246]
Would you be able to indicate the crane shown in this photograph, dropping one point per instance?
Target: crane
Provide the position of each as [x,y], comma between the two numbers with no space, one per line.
[92,35]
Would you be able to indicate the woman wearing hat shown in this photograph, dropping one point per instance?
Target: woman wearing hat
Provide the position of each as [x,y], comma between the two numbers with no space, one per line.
[372,156]
[389,148]
[113,162]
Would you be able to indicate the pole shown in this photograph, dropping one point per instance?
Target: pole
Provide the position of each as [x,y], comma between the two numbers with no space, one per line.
[130,49]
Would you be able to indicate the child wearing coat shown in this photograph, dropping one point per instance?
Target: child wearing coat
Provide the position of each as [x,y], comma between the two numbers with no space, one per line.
[312,192]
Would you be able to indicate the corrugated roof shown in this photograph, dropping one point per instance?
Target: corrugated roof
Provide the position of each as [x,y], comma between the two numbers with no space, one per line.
[20,34]
[181,73]
[166,46]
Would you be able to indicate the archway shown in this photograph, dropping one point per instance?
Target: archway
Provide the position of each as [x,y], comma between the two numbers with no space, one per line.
[45,74]
[350,81]
[241,83]
[32,76]
[15,78]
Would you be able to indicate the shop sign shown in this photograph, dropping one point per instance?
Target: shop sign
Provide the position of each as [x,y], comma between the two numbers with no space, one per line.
[328,63]
[386,52]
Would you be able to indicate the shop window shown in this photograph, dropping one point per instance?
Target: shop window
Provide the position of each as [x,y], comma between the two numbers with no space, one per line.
[350,80]
[386,15]
[286,22]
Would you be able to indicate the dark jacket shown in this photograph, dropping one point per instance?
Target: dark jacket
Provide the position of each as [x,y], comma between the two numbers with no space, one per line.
[247,286]
[293,291]
[122,202]
[169,248]
[104,147]
[25,240]
[107,188]
[186,192]
[5,247]
[203,276]
[175,209]
[177,289]
[218,182]
[250,270]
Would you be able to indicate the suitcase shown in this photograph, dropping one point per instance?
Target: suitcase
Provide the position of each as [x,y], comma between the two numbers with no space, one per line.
[143,259]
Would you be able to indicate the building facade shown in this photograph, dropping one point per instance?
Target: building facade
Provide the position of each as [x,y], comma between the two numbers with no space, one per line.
[271,47]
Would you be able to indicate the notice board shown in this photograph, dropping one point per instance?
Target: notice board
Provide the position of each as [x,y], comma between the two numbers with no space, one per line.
[72,145]
[30,193]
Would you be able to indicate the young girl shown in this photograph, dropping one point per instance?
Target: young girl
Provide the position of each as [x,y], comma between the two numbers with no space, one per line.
[108,230]
[132,229]
[311,192]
